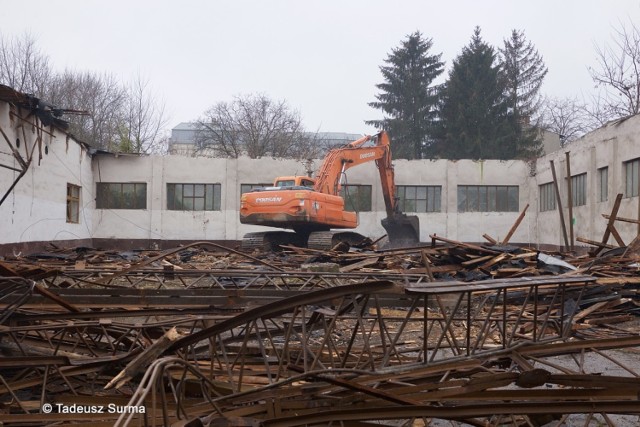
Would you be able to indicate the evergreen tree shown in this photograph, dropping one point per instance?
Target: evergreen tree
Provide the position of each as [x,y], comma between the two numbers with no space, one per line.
[524,71]
[407,97]
[474,120]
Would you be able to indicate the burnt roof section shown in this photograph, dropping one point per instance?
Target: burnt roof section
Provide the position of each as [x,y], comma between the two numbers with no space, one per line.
[47,113]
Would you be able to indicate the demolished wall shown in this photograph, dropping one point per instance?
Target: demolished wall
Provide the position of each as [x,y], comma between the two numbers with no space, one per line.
[35,210]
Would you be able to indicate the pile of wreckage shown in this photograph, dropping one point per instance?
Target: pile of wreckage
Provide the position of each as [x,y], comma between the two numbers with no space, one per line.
[205,335]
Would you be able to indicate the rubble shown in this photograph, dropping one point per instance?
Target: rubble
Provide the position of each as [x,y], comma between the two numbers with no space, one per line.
[208,335]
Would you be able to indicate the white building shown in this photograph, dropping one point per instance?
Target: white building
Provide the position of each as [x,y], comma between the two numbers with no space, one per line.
[72,196]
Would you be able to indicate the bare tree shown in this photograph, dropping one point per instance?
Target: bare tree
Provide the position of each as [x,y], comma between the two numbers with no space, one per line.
[113,117]
[23,66]
[618,73]
[143,123]
[567,117]
[253,125]
[102,96]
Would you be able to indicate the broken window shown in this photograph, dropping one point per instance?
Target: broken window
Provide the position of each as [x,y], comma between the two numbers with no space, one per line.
[73,203]
[121,195]
[488,198]
[631,170]
[193,197]
[547,197]
[422,198]
[245,188]
[579,190]
[357,198]
[603,183]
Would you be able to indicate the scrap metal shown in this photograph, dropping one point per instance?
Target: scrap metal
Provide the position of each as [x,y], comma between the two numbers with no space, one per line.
[468,333]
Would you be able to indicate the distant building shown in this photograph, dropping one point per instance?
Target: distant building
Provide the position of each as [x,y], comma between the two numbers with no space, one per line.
[551,141]
[182,141]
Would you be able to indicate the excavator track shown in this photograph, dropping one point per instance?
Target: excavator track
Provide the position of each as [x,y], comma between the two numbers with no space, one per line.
[270,240]
[321,240]
[326,240]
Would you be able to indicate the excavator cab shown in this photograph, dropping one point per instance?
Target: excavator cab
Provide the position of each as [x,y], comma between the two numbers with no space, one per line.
[294,181]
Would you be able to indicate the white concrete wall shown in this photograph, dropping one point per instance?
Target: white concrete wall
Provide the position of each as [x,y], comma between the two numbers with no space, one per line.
[609,146]
[156,222]
[36,208]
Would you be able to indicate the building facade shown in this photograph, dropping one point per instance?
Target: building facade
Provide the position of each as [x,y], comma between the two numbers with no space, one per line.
[72,196]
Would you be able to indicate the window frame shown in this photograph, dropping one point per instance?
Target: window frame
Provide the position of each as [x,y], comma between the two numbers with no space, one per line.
[547,194]
[631,177]
[578,190]
[488,198]
[194,197]
[73,203]
[410,198]
[603,184]
[104,199]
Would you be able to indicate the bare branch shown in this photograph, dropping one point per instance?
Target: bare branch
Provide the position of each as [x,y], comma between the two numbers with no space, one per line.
[566,117]
[255,126]
[618,73]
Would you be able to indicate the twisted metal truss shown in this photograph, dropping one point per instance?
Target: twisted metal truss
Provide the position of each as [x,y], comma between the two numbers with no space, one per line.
[370,352]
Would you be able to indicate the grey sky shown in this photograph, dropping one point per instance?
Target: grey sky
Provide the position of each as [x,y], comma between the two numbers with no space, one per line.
[321,57]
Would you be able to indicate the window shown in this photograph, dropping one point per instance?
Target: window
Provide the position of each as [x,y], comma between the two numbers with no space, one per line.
[423,198]
[488,198]
[547,197]
[193,197]
[579,190]
[603,184]
[73,203]
[121,195]
[245,188]
[357,198]
[631,171]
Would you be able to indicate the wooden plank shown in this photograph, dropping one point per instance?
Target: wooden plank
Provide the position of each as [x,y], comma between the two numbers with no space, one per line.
[569,197]
[594,243]
[514,227]
[616,235]
[464,245]
[559,203]
[490,239]
[358,265]
[612,218]
[633,221]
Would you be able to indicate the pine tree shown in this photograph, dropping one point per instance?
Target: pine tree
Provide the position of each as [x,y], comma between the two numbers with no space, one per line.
[524,71]
[408,98]
[474,119]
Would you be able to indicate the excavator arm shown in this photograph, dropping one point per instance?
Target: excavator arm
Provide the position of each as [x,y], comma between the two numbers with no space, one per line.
[401,229]
[339,160]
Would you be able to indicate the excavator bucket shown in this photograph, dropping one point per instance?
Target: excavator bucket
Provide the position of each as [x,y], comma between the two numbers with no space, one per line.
[402,230]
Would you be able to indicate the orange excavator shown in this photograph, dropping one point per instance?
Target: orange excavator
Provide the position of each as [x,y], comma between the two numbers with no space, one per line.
[314,209]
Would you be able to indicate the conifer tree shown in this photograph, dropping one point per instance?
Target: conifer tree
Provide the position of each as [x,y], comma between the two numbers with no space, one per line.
[408,98]
[524,71]
[474,120]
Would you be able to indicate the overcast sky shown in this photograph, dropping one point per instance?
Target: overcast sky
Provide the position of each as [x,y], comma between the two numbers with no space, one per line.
[322,57]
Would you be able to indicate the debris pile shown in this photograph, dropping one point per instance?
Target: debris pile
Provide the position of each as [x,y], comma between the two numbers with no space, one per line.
[484,334]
